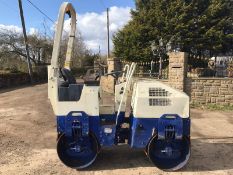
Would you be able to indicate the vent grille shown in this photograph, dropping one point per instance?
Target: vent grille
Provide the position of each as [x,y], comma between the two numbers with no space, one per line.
[159,102]
[158,92]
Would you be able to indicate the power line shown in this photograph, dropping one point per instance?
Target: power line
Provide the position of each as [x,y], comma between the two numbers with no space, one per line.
[108,38]
[41,11]
[46,28]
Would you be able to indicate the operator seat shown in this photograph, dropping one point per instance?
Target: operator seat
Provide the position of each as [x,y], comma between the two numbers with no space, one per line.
[69,89]
[67,76]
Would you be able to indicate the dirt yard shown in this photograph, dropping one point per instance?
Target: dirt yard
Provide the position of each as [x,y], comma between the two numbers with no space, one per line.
[28,141]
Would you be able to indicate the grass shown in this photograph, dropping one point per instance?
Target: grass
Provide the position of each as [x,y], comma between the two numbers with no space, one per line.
[212,107]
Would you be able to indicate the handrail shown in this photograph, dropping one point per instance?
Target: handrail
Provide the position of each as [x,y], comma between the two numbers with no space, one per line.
[125,72]
[129,75]
[66,8]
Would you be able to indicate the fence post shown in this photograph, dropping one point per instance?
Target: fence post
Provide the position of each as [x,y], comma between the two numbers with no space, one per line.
[177,69]
[108,82]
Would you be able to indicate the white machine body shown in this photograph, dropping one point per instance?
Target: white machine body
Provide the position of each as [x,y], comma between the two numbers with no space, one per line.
[152,99]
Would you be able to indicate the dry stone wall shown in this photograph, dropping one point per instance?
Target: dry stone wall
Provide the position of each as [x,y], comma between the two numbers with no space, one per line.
[210,90]
[16,79]
[201,90]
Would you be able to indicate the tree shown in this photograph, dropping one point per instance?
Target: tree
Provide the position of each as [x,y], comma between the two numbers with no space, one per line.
[12,49]
[12,44]
[200,27]
[81,54]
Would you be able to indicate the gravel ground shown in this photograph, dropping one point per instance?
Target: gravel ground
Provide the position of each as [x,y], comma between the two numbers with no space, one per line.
[28,141]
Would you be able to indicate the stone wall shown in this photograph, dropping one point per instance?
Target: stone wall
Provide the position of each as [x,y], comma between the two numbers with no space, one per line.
[107,83]
[210,90]
[114,64]
[20,78]
[177,69]
[17,79]
[201,90]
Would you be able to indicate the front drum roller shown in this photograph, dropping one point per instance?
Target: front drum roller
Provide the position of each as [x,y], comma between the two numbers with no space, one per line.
[169,155]
[79,153]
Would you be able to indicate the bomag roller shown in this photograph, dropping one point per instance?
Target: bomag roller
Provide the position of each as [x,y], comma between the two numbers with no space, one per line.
[159,121]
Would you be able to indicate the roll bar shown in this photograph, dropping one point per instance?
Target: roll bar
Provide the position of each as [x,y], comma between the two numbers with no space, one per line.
[66,8]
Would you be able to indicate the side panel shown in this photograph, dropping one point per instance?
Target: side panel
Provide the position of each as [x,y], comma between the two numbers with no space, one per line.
[64,124]
[152,99]
[103,127]
[142,129]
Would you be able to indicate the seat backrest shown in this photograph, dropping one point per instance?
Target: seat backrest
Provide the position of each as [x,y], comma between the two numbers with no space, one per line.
[68,77]
[71,92]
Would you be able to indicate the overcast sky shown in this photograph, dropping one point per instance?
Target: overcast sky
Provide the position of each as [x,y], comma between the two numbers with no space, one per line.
[91,17]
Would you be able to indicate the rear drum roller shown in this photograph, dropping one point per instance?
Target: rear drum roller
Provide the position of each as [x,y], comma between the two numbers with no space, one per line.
[79,153]
[169,155]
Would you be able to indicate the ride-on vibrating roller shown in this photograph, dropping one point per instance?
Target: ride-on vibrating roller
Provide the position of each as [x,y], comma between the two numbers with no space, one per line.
[159,121]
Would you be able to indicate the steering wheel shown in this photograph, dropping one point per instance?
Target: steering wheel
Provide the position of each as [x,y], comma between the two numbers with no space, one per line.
[114,74]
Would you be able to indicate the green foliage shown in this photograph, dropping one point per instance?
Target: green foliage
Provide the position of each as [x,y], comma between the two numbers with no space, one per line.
[89,58]
[203,28]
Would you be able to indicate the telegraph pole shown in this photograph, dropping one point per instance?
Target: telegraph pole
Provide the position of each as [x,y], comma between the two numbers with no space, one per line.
[99,58]
[108,32]
[25,40]
[99,50]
